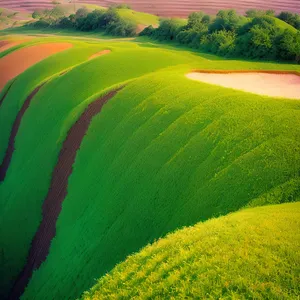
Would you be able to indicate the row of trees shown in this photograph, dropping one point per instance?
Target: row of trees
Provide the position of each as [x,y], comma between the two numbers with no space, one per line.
[106,20]
[232,35]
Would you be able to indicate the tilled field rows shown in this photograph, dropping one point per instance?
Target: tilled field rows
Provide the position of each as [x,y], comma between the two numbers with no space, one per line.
[179,8]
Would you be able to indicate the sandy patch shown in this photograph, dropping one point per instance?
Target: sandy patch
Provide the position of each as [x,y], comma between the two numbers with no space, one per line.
[103,52]
[18,61]
[274,84]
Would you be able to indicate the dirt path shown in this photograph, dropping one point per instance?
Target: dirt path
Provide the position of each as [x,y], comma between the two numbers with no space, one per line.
[267,83]
[57,192]
[103,52]
[5,94]
[11,143]
[18,61]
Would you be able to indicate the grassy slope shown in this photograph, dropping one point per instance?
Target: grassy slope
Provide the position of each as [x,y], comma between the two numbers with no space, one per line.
[252,254]
[164,153]
[50,110]
[136,16]
[163,137]
[283,25]
[139,17]
[22,87]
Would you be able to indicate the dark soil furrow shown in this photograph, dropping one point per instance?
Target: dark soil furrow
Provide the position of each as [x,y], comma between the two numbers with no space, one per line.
[5,94]
[11,143]
[56,194]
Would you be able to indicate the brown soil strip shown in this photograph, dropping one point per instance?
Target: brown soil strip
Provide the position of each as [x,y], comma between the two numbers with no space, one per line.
[5,94]
[268,83]
[57,192]
[103,52]
[18,61]
[11,143]
[4,45]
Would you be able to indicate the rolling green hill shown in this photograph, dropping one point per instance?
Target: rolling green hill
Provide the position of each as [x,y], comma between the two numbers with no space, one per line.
[165,152]
[251,254]
[139,17]
[283,25]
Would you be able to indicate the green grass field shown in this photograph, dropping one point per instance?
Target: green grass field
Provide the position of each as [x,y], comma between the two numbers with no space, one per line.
[252,254]
[164,153]
[139,17]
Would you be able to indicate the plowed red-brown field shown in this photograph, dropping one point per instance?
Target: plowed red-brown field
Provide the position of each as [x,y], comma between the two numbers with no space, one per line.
[4,45]
[18,61]
[179,8]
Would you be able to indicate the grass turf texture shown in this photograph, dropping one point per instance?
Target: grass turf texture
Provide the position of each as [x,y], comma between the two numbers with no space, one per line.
[164,153]
[138,17]
[251,254]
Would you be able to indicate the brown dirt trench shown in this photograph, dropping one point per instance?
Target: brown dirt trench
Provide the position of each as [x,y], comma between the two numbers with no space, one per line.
[15,128]
[56,194]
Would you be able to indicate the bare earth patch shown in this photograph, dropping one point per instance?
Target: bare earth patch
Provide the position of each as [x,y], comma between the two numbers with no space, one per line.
[18,61]
[52,204]
[274,84]
[4,45]
[103,52]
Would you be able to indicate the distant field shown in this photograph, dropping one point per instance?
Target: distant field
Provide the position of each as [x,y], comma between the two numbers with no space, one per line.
[168,7]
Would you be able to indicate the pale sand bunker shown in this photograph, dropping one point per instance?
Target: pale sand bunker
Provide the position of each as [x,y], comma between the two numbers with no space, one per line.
[274,84]
[103,52]
[18,61]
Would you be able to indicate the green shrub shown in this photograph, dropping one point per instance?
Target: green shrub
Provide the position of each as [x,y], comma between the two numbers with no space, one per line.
[220,42]
[42,23]
[167,30]
[122,28]
[148,31]
[226,20]
[37,14]
[289,46]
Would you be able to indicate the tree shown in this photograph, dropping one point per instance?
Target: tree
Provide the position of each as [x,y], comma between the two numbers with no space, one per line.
[122,27]
[168,29]
[289,46]
[257,39]
[57,13]
[197,20]
[81,13]
[194,19]
[92,21]
[66,22]
[220,42]
[37,14]
[226,20]
[148,31]
[254,13]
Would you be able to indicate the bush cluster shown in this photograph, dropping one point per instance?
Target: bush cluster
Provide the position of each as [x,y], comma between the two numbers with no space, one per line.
[256,36]
[107,20]
[290,18]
